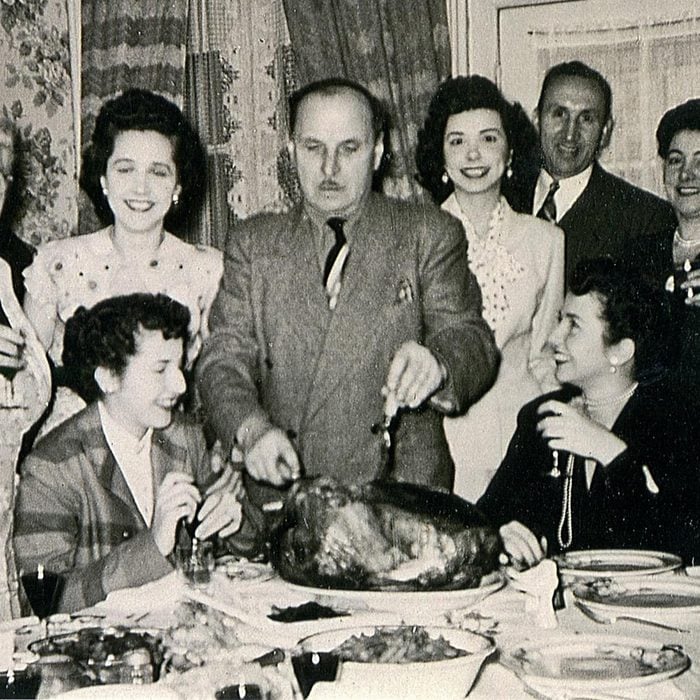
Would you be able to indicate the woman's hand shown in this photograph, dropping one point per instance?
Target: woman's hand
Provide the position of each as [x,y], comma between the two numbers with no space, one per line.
[521,545]
[566,429]
[221,511]
[692,284]
[177,497]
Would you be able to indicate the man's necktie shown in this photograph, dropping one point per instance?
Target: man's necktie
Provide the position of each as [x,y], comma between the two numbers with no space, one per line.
[335,260]
[548,210]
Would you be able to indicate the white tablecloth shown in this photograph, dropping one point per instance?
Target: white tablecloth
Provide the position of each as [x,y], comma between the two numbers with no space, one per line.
[502,614]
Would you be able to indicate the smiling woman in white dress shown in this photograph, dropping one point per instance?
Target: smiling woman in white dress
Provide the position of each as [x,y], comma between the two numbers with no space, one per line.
[143,170]
[466,149]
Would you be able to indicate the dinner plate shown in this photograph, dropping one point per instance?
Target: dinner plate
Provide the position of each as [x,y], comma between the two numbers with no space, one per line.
[615,563]
[412,602]
[657,596]
[594,663]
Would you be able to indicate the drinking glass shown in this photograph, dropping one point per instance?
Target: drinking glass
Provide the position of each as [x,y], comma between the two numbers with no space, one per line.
[43,589]
[195,561]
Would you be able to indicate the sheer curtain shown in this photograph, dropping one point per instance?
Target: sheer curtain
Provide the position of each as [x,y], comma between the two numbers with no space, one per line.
[238,76]
[651,67]
[399,49]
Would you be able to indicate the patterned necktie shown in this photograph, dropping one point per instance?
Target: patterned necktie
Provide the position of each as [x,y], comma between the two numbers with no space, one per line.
[548,210]
[335,260]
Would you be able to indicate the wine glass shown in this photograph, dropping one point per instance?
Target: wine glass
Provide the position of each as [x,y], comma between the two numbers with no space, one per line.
[43,589]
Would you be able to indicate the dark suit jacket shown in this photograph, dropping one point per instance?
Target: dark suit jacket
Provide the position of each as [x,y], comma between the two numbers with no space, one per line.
[75,514]
[619,510]
[611,218]
[277,351]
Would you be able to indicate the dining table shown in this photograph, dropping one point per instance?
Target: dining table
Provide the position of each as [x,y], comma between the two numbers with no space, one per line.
[242,595]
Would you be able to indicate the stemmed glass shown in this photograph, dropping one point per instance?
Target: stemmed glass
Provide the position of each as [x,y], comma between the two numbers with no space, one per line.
[42,588]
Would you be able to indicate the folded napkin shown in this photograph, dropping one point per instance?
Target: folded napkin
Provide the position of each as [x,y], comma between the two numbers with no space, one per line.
[538,583]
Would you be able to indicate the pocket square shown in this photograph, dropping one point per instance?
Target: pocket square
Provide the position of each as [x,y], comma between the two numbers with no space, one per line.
[405,292]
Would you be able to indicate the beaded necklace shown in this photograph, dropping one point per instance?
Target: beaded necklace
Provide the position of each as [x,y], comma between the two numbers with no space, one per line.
[565,521]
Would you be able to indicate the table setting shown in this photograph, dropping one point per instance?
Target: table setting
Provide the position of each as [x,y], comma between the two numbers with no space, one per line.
[375,591]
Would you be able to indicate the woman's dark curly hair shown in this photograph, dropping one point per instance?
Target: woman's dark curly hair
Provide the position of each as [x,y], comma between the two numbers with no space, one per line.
[106,335]
[632,307]
[462,94]
[683,117]
[142,110]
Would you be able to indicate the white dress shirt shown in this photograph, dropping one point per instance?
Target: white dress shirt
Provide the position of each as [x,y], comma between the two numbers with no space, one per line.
[569,191]
[133,457]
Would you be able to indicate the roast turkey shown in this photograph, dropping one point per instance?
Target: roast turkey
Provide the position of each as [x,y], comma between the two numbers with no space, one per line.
[381,536]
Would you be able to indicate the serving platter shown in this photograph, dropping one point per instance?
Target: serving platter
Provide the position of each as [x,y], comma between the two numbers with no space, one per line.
[594,663]
[615,563]
[657,596]
[411,602]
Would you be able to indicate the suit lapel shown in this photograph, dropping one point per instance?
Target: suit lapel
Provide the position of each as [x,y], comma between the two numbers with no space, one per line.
[106,468]
[582,222]
[356,320]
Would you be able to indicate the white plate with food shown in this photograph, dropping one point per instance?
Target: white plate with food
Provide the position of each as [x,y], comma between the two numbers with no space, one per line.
[615,563]
[658,596]
[389,661]
[594,663]
[411,603]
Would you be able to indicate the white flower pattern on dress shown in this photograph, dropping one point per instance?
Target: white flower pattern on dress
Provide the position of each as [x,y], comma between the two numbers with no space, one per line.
[493,265]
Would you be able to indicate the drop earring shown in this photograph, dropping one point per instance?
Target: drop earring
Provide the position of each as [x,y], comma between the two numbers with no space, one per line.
[176,199]
[509,171]
[613,364]
[445,178]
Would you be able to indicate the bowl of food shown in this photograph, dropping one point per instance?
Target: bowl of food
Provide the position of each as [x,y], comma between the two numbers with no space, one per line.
[433,662]
[106,655]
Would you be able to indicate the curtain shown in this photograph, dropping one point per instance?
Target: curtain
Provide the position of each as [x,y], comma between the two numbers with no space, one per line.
[238,72]
[37,96]
[399,49]
[651,66]
[129,44]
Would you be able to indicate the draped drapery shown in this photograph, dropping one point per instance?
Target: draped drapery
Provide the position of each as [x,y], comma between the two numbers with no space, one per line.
[129,44]
[36,95]
[651,66]
[238,75]
[399,49]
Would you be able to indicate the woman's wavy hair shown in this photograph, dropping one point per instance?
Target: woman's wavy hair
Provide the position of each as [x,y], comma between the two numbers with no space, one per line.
[141,110]
[462,94]
[682,117]
[106,335]
[632,307]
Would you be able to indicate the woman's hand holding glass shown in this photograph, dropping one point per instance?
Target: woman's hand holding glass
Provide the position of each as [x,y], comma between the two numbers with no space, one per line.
[566,428]
[177,497]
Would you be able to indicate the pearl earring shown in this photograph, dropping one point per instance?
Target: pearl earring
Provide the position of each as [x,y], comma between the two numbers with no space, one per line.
[509,171]
[445,178]
[104,191]
[613,364]
[176,199]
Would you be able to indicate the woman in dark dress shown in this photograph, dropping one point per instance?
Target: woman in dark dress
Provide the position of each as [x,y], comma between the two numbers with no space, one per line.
[607,461]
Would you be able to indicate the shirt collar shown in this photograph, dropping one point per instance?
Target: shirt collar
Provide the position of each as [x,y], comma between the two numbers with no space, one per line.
[117,436]
[570,189]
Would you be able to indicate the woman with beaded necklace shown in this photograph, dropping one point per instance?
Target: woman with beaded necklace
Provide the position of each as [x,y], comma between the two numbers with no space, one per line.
[608,460]
[472,145]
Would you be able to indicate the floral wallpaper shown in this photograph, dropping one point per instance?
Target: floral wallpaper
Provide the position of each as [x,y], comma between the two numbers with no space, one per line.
[36,95]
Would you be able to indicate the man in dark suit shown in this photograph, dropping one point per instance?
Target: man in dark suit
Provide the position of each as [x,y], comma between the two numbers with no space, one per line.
[299,366]
[600,214]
